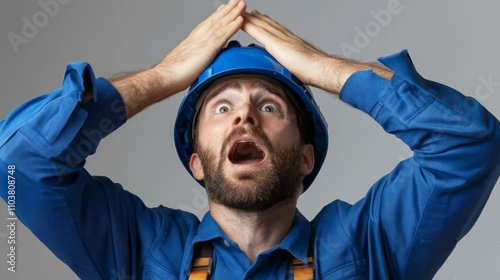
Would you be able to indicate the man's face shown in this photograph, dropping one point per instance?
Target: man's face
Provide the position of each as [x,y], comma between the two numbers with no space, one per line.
[249,151]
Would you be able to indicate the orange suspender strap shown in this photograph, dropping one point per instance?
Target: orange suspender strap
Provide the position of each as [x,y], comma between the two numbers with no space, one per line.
[202,261]
[302,271]
[305,271]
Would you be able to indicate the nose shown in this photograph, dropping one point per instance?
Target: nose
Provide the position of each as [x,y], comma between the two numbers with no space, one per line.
[246,114]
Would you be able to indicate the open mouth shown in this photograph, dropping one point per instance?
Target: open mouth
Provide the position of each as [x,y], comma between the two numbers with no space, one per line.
[245,152]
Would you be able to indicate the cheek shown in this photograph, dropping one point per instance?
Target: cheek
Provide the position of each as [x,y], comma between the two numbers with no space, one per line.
[210,135]
[287,132]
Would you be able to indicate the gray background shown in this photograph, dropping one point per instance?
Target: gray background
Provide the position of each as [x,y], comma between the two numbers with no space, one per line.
[454,42]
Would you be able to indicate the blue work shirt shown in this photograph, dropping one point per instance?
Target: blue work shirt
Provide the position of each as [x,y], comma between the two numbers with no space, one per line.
[404,228]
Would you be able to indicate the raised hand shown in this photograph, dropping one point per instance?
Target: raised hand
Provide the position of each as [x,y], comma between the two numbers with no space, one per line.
[178,69]
[185,62]
[306,62]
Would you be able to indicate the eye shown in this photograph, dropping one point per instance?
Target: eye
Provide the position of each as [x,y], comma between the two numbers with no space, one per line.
[270,108]
[222,108]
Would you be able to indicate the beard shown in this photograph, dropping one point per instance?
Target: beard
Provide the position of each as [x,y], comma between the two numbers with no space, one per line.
[255,190]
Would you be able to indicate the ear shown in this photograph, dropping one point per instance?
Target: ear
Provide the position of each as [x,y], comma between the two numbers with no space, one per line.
[196,167]
[307,164]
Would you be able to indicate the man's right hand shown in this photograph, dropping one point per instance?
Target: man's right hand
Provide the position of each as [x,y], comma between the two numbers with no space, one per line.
[178,69]
[185,62]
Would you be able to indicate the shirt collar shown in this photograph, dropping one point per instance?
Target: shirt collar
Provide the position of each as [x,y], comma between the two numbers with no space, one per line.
[296,241]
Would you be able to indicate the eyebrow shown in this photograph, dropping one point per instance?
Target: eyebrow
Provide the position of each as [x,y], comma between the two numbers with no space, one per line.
[273,89]
[220,88]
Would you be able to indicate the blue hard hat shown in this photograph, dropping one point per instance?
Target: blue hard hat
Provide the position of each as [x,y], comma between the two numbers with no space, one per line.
[252,59]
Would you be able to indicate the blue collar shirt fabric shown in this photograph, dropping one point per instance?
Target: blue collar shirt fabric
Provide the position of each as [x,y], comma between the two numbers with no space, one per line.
[404,228]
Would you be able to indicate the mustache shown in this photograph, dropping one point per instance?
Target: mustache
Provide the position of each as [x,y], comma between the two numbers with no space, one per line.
[245,130]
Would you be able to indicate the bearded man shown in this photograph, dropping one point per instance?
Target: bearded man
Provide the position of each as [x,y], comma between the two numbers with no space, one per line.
[251,133]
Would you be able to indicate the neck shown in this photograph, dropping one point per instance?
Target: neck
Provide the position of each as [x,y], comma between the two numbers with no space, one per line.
[255,231]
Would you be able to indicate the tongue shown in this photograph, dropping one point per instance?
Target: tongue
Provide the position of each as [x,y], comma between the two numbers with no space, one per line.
[245,152]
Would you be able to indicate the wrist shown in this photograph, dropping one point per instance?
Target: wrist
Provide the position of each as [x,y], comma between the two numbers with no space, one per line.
[338,70]
[141,89]
[334,71]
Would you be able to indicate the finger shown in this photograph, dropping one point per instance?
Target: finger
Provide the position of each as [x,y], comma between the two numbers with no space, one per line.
[229,24]
[230,10]
[227,17]
[234,3]
[258,29]
[265,21]
[235,12]
[263,29]
[222,24]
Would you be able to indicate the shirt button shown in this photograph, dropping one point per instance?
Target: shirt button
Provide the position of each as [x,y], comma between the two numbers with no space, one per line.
[226,242]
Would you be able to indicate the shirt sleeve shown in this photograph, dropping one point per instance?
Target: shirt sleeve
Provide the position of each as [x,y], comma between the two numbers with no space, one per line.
[92,224]
[413,217]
